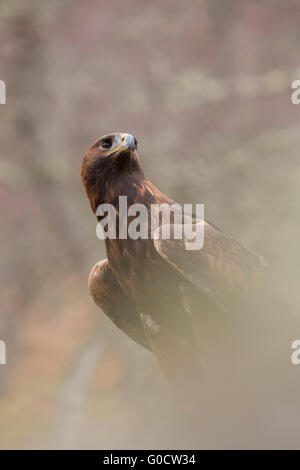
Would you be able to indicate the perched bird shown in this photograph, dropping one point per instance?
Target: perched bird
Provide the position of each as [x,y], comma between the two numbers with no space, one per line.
[207,314]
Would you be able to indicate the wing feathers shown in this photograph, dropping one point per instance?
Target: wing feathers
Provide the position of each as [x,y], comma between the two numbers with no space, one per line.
[223,269]
[110,297]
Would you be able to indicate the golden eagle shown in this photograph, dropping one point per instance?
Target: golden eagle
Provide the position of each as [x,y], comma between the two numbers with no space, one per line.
[209,313]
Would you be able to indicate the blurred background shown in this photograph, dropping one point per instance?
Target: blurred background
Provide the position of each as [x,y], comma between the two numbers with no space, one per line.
[205,87]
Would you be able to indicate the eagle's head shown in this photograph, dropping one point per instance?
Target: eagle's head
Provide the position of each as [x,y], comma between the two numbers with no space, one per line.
[110,163]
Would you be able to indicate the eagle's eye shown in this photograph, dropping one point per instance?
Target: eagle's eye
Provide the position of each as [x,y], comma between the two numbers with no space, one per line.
[106,144]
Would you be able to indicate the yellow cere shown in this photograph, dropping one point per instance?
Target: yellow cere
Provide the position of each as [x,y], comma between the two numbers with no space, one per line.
[113,151]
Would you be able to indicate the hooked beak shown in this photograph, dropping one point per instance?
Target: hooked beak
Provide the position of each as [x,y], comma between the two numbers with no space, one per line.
[127,143]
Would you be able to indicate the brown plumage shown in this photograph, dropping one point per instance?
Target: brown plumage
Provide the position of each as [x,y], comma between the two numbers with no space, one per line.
[185,306]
